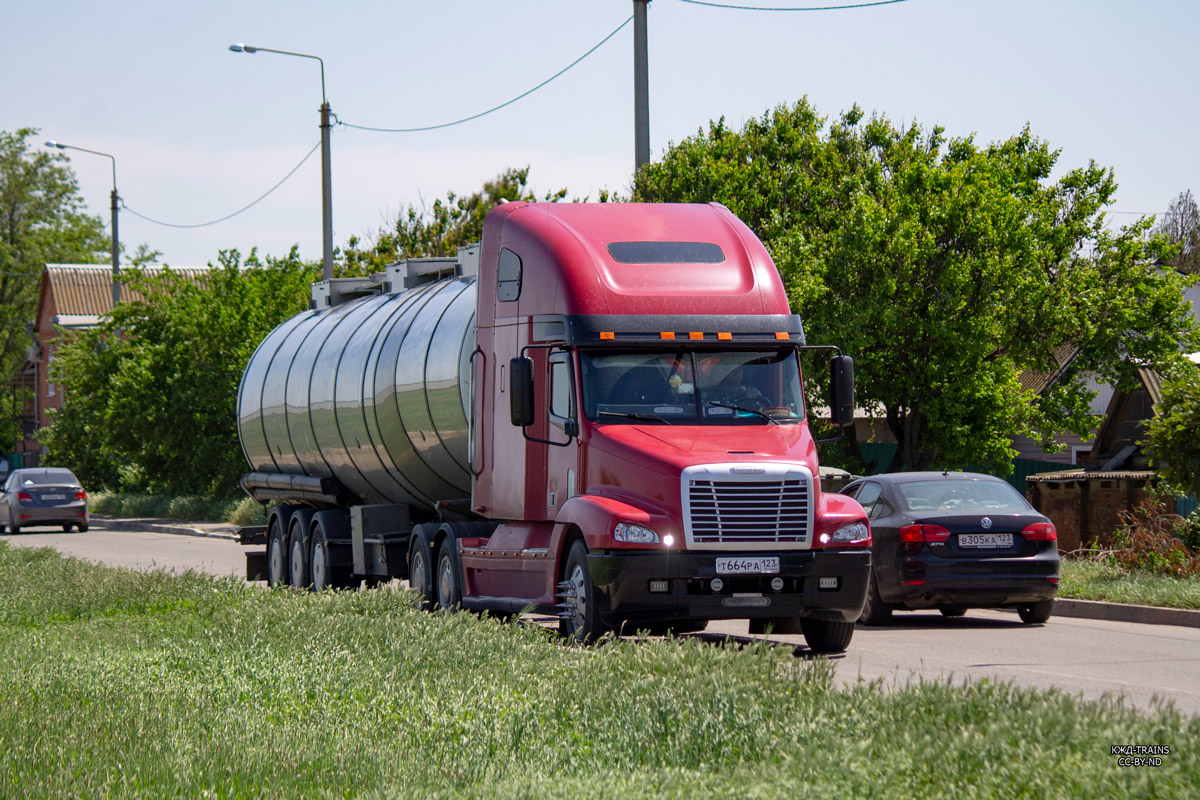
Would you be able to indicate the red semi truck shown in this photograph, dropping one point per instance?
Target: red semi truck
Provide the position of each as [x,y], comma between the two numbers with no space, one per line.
[597,413]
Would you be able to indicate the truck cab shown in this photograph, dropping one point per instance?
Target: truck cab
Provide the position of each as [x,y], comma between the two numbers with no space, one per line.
[640,430]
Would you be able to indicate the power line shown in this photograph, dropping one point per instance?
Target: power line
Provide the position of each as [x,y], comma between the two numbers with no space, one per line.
[502,105]
[802,8]
[235,213]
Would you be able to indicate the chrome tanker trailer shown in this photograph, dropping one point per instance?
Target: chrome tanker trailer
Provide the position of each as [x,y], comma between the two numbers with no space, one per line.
[597,413]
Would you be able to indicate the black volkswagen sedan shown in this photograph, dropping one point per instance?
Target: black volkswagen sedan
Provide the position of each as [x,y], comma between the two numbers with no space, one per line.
[953,541]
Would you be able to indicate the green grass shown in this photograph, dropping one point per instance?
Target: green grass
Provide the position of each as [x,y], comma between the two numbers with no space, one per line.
[124,684]
[1089,579]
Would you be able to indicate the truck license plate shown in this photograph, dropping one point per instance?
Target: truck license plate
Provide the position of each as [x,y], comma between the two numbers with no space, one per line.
[980,540]
[757,565]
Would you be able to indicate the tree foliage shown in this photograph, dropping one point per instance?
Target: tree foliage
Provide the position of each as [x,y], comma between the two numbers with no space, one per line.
[151,394]
[1181,226]
[42,220]
[450,224]
[1172,441]
[945,267]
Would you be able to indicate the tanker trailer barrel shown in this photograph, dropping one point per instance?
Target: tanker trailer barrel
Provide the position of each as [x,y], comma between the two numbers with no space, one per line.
[373,392]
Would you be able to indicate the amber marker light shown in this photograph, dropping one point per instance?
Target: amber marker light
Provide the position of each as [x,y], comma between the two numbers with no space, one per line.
[607,335]
[725,337]
[666,334]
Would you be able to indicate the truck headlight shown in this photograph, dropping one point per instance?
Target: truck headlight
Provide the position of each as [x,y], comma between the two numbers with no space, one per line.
[854,532]
[634,534]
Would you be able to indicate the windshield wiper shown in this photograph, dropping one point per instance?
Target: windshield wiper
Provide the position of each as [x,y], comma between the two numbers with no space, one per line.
[641,417]
[753,411]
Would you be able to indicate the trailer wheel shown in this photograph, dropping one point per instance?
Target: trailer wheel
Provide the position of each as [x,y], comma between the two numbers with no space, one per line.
[420,569]
[826,636]
[298,570]
[449,588]
[324,574]
[579,618]
[277,566]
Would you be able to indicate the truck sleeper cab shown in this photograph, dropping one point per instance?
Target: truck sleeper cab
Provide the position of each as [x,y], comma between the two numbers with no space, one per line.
[637,449]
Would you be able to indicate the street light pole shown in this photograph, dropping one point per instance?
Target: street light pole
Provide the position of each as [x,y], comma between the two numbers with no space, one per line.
[116,202]
[641,87]
[326,168]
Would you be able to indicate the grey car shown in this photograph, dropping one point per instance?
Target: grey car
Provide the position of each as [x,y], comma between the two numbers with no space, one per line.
[43,496]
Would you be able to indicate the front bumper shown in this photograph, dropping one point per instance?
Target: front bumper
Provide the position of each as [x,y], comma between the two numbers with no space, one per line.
[622,585]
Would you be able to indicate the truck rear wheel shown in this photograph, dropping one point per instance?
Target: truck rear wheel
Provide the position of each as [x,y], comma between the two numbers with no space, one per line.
[826,636]
[449,588]
[579,618]
[420,569]
[277,566]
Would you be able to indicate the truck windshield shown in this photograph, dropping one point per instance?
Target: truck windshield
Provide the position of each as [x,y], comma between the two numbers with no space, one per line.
[692,387]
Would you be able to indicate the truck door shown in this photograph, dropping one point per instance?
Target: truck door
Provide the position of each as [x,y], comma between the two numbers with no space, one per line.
[564,456]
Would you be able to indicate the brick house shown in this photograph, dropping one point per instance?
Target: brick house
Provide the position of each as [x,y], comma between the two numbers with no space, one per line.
[72,297]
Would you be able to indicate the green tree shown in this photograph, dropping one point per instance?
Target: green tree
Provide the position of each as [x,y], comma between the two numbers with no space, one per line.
[42,220]
[1181,226]
[1171,439]
[946,268]
[152,393]
[453,223]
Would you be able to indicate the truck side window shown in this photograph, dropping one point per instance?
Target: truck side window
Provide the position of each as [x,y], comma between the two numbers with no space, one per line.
[508,275]
[562,392]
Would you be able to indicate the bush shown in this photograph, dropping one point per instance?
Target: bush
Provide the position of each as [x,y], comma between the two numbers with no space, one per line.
[247,512]
[1152,540]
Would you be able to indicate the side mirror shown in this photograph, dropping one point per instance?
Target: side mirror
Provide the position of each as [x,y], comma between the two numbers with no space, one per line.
[841,390]
[520,391]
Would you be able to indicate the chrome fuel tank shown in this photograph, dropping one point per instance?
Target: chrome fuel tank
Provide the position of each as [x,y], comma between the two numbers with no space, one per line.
[374,392]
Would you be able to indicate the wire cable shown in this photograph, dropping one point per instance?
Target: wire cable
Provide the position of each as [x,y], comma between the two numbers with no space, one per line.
[802,8]
[260,198]
[502,105]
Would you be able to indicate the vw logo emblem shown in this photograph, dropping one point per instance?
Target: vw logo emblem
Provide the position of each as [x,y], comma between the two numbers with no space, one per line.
[985,523]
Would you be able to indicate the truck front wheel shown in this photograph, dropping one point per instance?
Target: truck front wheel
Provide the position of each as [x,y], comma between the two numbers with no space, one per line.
[579,618]
[826,636]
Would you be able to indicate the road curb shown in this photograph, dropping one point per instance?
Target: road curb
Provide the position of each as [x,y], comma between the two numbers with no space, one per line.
[1125,612]
[160,526]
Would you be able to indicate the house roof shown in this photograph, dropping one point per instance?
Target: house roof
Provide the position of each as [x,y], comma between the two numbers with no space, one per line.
[83,292]
[1038,382]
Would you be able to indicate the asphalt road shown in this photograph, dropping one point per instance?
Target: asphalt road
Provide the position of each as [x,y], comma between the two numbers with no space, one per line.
[1145,664]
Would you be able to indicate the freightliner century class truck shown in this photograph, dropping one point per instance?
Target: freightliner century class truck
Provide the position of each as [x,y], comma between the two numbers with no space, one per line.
[597,413]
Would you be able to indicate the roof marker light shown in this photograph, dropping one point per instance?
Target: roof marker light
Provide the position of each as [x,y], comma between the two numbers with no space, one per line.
[783,337]
[725,337]
[666,334]
[696,335]
[607,335]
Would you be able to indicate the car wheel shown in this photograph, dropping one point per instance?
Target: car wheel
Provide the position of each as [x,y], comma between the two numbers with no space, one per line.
[12,523]
[953,611]
[1036,613]
[66,528]
[826,636]
[277,565]
[449,592]
[420,570]
[875,611]
[82,528]
[298,572]
[579,618]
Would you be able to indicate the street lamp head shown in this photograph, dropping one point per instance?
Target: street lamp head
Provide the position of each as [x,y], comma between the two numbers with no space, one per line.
[243,48]
[56,144]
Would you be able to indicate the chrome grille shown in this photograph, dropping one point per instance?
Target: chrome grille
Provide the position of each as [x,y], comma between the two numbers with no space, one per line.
[764,511]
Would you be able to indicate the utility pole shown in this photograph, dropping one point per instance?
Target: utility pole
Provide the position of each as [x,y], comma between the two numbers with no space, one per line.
[641,87]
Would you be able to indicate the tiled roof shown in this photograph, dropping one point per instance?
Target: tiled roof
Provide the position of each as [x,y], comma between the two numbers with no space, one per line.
[86,289]
[1070,475]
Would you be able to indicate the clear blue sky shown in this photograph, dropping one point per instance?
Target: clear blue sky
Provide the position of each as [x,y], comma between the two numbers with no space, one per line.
[199,131]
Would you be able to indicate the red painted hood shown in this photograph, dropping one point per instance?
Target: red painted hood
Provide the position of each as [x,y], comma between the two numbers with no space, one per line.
[640,463]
